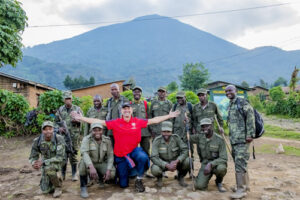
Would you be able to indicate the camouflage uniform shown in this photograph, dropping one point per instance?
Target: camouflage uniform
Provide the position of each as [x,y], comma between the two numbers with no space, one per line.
[163,153]
[159,108]
[239,131]
[139,111]
[100,155]
[212,151]
[94,113]
[53,154]
[113,107]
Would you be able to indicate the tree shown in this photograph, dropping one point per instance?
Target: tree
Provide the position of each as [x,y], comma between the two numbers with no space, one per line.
[79,82]
[280,82]
[263,84]
[276,93]
[194,76]
[13,21]
[294,79]
[172,87]
[245,84]
[132,82]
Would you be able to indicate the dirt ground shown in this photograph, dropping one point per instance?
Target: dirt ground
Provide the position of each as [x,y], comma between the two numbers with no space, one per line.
[272,176]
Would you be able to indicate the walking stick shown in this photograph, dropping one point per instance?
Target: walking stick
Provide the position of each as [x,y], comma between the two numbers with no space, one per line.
[190,154]
[225,139]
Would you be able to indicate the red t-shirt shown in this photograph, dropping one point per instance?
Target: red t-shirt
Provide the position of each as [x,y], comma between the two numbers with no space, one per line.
[127,135]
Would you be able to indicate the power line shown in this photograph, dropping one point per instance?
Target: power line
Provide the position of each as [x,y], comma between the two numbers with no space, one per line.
[162,17]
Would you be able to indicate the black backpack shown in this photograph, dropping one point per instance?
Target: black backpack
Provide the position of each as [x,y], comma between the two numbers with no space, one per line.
[259,122]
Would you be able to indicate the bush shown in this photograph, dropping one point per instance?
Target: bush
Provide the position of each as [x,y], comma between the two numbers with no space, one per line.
[128,94]
[276,93]
[12,113]
[86,103]
[190,97]
[256,103]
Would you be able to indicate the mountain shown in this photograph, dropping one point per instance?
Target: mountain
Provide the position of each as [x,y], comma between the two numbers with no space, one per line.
[153,49]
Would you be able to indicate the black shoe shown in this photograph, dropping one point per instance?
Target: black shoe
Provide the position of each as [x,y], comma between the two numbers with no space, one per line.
[139,186]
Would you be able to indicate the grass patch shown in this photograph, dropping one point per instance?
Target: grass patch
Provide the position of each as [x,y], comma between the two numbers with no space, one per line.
[271,149]
[278,116]
[277,132]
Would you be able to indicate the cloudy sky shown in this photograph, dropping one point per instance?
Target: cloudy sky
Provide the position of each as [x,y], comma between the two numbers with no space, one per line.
[273,22]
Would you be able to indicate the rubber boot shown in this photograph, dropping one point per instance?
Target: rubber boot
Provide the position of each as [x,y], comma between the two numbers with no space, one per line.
[220,185]
[139,186]
[57,193]
[181,181]
[240,192]
[83,188]
[74,170]
[159,182]
[247,184]
[63,172]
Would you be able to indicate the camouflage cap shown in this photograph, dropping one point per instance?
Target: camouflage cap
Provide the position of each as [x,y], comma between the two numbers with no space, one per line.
[180,94]
[96,125]
[166,126]
[205,121]
[162,88]
[47,123]
[67,95]
[137,88]
[202,91]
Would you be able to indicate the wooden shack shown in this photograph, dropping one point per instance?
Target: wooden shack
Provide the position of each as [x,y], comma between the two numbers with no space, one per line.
[29,89]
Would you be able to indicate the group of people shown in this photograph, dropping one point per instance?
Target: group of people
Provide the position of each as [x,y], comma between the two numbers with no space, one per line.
[118,137]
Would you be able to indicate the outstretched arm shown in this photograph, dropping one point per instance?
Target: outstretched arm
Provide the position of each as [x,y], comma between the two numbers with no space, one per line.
[159,119]
[78,117]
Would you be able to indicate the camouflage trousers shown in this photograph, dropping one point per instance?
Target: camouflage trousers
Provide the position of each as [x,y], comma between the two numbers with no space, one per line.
[202,180]
[182,169]
[51,178]
[75,136]
[100,167]
[241,155]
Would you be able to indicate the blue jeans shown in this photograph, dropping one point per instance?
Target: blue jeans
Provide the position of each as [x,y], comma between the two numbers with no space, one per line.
[141,161]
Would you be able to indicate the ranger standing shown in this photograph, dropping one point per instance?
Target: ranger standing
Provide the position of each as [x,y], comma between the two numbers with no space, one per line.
[241,132]
[97,159]
[52,150]
[96,111]
[113,106]
[169,153]
[159,107]
[205,109]
[212,154]
[63,116]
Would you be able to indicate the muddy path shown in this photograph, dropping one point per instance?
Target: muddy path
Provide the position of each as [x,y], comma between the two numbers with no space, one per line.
[273,176]
[288,124]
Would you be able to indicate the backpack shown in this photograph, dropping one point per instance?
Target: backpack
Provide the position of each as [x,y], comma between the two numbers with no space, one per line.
[189,105]
[259,122]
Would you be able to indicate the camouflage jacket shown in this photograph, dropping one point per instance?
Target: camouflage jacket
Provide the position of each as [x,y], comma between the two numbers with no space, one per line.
[179,125]
[159,108]
[113,107]
[211,150]
[139,111]
[209,111]
[94,113]
[163,153]
[93,153]
[64,114]
[52,152]
[238,129]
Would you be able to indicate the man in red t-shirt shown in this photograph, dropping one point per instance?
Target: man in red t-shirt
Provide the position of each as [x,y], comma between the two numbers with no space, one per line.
[127,136]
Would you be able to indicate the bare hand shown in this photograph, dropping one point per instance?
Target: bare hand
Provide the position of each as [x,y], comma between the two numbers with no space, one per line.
[248,140]
[221,130]
[174,114]
[170,167]
[93,172]
[62,130]
[207,169]
[37,164]
[174,163]
[106,176]
[76,116]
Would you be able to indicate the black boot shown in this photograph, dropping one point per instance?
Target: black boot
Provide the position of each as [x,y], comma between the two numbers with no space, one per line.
[83,188]
[220,185]
[74,170]
[63,172]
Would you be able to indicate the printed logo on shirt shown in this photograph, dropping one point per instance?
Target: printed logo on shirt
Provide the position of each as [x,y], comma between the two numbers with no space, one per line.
[133,126]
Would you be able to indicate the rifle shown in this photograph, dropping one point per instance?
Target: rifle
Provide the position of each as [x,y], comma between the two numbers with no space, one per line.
[68,140]
[222,134]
